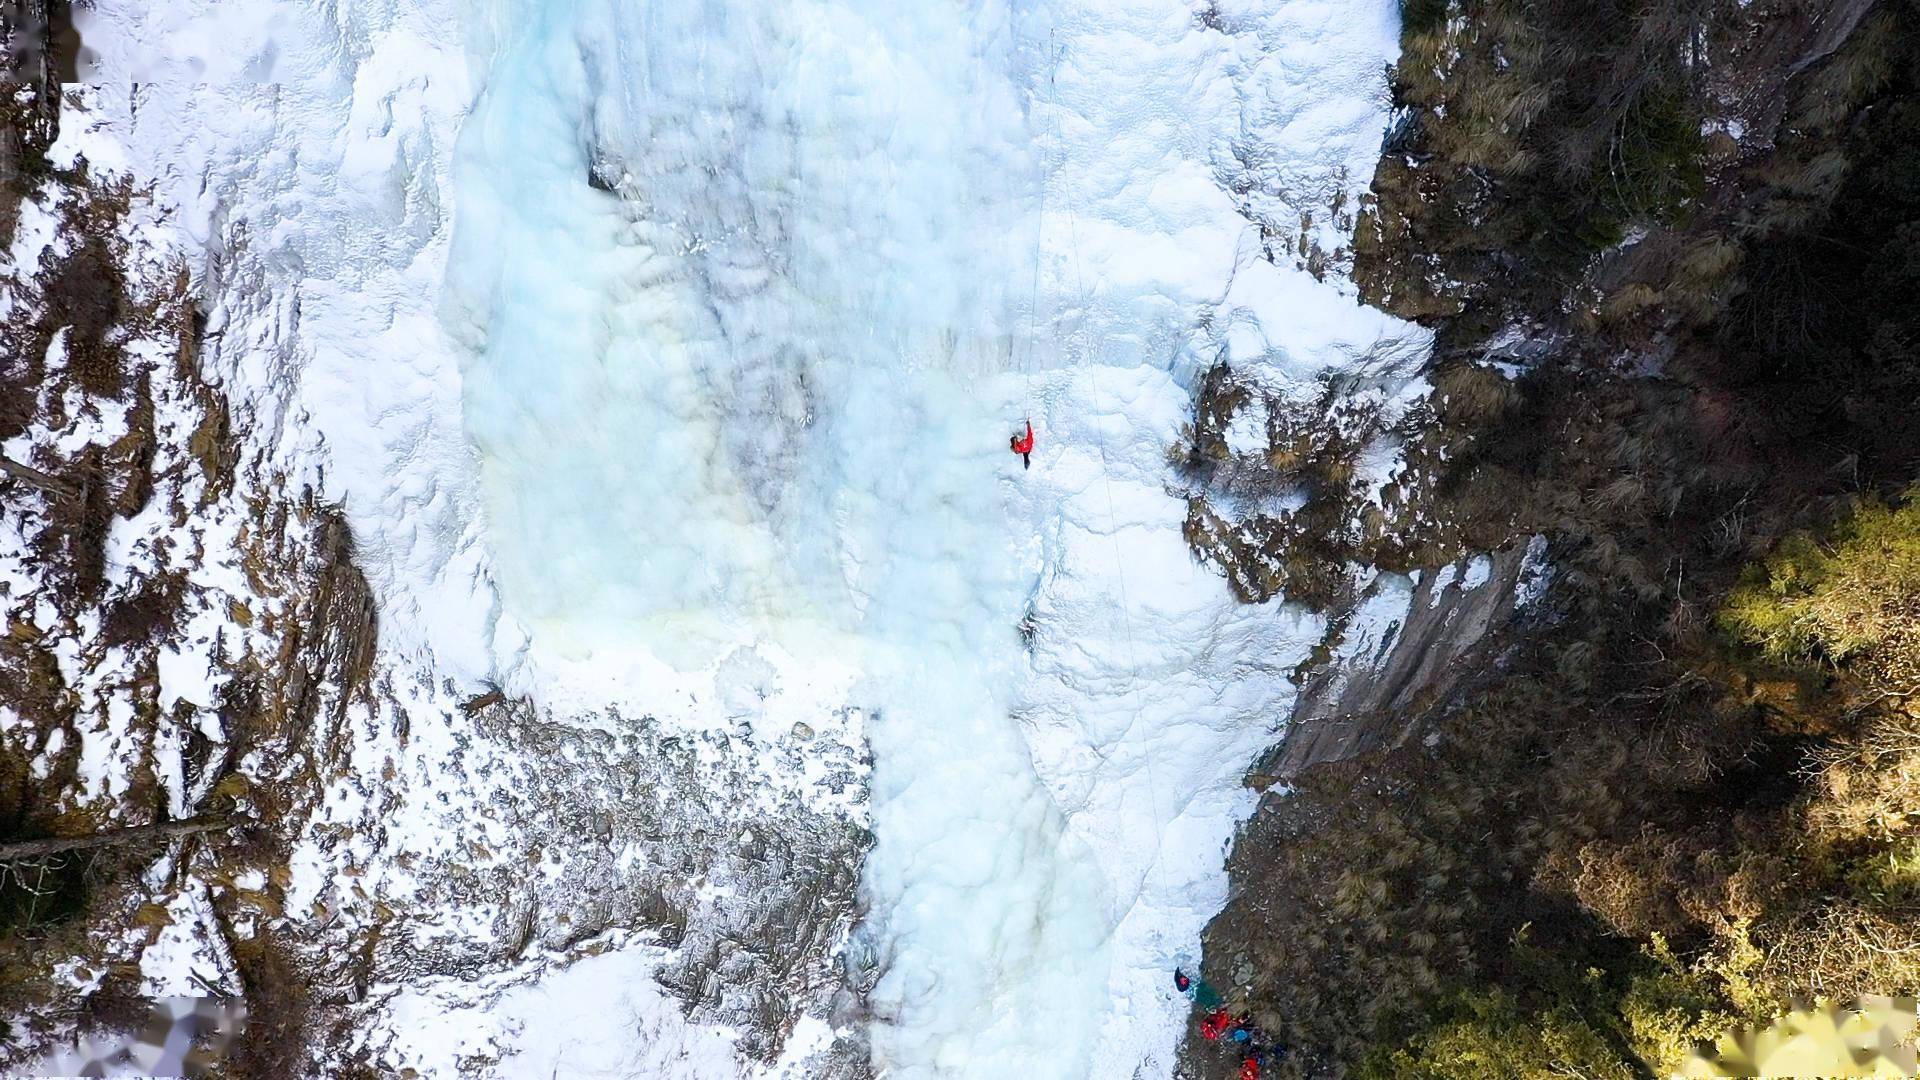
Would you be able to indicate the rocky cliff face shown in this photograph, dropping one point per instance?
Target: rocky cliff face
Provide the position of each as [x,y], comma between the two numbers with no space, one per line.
[1450,626]
[1626,227]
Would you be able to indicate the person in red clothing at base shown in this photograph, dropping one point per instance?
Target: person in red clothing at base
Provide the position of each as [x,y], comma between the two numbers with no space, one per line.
[1215,1024]
[1250,1069]
[1023,445]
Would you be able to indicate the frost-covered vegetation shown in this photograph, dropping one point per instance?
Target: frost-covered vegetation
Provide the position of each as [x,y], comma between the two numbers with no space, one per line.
[1686,795]
[139,556]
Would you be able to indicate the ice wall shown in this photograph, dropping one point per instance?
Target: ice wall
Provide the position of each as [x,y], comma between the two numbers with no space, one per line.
[755,396]
[753,295]
[683,388]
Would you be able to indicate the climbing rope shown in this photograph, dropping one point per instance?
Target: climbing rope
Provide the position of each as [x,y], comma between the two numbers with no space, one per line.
[1039,244]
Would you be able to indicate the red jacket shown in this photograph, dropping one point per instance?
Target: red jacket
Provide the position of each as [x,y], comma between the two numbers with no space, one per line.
[1250,1069]
[1024,444]
[1215,1024]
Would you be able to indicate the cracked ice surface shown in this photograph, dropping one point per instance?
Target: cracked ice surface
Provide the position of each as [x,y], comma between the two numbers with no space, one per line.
[727,443]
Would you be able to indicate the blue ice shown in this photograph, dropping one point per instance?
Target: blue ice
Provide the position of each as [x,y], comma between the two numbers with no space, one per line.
[765,383]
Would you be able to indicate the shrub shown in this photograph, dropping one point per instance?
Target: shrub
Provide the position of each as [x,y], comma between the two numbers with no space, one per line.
[1838,597]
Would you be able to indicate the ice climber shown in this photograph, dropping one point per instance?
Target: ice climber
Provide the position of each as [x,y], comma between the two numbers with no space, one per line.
[1023,445]
[1199,992]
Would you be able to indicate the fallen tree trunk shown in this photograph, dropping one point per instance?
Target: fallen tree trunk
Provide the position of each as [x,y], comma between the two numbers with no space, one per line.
[59,845]
[29,474]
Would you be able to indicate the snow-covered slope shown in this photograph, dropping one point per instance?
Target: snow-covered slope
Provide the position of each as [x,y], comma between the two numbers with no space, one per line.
[305,150]
[301,155]
[664,357]
[1170,134]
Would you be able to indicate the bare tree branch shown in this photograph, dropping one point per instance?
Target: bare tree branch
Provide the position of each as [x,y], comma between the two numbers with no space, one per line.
[33,849]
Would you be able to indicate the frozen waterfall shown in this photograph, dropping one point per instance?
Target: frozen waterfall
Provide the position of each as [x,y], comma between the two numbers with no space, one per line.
[756,394]
[754,294]
[664,354]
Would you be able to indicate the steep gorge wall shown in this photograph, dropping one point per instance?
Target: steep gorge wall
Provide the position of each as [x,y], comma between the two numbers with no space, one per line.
[1626,226]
